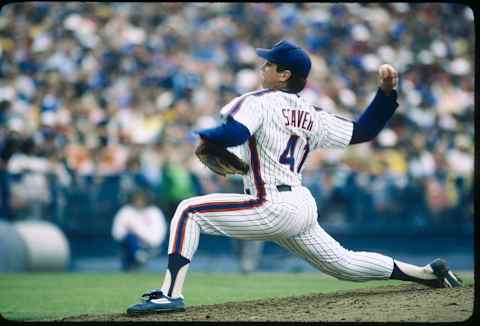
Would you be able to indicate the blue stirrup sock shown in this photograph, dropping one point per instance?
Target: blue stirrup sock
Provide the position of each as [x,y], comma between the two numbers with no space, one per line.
[175,275]
[413,274]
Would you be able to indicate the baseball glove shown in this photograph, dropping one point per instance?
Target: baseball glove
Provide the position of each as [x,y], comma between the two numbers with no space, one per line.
[219,159]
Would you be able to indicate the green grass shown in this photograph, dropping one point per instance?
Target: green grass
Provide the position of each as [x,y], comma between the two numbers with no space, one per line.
[56,295]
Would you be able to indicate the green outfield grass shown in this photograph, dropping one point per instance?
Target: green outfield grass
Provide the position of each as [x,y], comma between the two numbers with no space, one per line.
[57,295]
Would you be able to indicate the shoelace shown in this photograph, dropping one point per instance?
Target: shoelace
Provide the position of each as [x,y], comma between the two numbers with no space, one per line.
[152,294]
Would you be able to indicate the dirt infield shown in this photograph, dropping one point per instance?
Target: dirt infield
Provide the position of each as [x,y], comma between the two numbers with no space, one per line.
[406,302]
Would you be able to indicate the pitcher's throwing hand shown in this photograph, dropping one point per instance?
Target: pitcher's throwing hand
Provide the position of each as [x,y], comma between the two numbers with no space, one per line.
[387,78]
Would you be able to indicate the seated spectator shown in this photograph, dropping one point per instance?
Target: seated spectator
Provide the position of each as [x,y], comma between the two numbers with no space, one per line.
[30,188]
[140,229]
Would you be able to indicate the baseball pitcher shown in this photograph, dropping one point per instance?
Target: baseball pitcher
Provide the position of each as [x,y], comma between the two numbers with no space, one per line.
[274,130]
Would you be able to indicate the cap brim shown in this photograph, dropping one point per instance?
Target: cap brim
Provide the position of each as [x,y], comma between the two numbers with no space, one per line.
[264,53]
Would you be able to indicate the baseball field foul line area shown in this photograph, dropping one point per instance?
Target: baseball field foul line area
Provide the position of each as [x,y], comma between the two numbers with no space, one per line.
[255,297]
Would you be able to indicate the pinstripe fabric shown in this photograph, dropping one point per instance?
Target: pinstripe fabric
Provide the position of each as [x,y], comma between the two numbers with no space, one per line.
[336,133]
[287,218]
[236,105]
[265,221]
[327,255]
[182,221]
[275,110]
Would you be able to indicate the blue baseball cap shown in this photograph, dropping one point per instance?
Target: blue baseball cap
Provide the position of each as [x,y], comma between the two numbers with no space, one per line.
[288,55]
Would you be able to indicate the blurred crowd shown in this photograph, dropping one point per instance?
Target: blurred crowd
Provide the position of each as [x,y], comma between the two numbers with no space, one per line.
[97,99]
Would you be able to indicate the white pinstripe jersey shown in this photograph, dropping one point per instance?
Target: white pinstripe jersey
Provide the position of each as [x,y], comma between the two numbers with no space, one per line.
[284,129]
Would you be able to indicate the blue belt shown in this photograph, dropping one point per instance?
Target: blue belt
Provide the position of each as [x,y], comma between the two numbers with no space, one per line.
[279,188]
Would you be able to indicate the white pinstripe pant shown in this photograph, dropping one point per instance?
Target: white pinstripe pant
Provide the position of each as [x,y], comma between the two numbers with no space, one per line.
[287,218]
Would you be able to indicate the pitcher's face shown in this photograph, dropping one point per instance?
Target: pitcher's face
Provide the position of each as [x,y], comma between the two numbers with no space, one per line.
[269,75]
[271,78]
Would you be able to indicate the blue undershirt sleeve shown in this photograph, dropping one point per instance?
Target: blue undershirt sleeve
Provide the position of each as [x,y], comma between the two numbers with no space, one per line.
[374,118]
[228,134]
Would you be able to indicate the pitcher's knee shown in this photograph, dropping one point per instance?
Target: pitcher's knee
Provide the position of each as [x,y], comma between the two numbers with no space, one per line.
[184,204]
[180,212]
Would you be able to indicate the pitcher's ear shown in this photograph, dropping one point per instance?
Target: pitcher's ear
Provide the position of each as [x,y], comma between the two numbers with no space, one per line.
[286,74]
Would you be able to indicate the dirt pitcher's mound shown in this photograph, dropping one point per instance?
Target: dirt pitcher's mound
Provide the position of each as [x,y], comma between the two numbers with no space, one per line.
[406,302]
